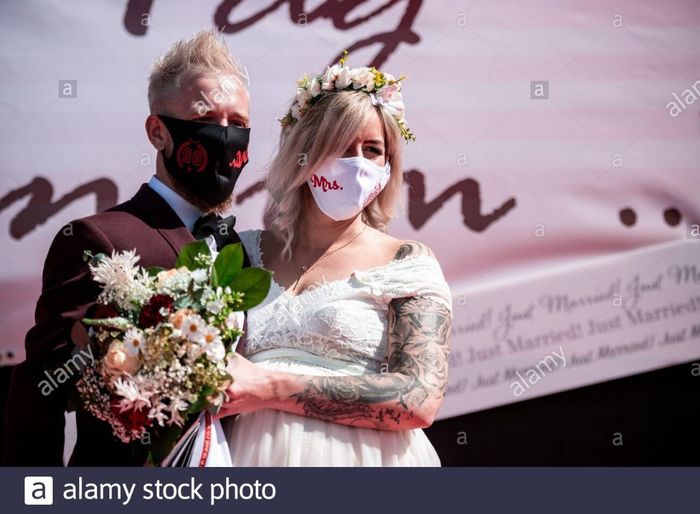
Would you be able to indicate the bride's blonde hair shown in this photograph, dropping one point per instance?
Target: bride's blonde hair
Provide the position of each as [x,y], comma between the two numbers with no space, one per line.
[323,133]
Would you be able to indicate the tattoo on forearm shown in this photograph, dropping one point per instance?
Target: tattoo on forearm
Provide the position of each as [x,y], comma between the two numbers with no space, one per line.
[418,340]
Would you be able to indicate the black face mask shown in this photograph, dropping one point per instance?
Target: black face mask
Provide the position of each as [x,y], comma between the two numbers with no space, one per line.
[207,158]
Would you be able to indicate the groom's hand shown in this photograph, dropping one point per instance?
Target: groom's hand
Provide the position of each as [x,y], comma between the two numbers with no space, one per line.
[251,389]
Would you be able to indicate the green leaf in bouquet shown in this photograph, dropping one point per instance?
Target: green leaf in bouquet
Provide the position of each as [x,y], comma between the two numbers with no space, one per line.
[189,252]
[154,270]
[227,265]
[163,441]
[254,283]
[118,323]
[91,259]
[183,302]
[202,402]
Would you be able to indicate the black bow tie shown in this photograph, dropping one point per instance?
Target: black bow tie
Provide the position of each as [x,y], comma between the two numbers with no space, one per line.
[215,225]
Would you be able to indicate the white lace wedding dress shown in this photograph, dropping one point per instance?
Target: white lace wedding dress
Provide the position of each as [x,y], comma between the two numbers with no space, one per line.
[338,328]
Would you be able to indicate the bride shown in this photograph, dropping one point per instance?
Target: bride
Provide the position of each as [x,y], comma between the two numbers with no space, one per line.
[345,362]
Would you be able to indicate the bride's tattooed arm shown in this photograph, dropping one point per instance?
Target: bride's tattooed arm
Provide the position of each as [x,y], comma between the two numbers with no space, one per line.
[410,392]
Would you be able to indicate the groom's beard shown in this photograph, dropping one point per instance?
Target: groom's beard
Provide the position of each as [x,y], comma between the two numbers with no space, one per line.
[223,207]
[204,206]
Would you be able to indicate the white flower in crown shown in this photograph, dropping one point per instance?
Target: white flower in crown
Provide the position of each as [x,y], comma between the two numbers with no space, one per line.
[362,78]
[303,96]
[328,78]
[315,88]
[343,80]
[389,97]
[384,91]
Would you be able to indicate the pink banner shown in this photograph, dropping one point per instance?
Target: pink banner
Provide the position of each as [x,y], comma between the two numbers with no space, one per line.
[547,133]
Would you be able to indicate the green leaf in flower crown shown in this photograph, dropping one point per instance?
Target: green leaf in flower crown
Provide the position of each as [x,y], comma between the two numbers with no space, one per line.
[227,265]
[254,283]
[187,254]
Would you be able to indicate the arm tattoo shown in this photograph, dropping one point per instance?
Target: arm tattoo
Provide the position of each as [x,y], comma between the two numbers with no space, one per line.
[418,340]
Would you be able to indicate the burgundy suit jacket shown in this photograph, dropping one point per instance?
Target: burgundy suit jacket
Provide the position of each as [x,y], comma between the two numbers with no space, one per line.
[34,420]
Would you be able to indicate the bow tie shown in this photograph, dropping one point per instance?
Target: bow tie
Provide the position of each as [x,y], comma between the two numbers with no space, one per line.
[215,225]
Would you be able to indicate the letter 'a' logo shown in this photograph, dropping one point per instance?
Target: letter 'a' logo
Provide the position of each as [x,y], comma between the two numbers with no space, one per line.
[38,490]
[192,156]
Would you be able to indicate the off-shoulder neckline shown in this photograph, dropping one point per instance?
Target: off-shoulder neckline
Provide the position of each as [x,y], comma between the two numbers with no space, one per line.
[327,283]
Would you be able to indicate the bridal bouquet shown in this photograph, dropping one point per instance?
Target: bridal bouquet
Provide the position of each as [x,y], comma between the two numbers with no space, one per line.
[162,340]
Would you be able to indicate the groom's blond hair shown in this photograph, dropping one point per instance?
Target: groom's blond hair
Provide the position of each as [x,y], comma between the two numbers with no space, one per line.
[205,52]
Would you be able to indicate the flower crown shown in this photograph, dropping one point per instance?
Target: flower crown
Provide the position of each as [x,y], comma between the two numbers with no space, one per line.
[383,89]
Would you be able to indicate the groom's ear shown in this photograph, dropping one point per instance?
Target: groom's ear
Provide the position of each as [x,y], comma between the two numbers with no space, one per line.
[157,133]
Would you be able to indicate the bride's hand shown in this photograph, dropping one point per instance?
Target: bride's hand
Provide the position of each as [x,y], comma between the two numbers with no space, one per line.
[251,388]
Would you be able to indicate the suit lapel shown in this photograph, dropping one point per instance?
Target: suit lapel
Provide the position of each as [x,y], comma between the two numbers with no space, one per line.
[177,237]
[153,209]
[160,215]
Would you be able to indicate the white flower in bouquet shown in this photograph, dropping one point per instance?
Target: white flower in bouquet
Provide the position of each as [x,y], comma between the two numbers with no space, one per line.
[123,283]
[174,281]
[215,306]
[159,415]
[131,395]
[200,276]
[212,344]
[232,321]
[134,341]
[193,327]
[175,409]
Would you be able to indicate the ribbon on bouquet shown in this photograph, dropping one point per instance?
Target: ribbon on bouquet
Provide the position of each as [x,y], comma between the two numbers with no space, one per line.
[203,445]
[207,440]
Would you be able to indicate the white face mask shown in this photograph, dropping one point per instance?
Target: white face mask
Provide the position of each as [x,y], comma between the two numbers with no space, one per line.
[344,186]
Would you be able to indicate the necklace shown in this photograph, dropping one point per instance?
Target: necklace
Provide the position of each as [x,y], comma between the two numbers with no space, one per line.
[305,269]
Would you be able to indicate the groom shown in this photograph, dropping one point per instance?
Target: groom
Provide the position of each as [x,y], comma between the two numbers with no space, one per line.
[199,125]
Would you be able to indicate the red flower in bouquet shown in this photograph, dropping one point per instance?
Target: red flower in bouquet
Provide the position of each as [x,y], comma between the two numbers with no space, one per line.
[151,313]
[105,311]
[132,419]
